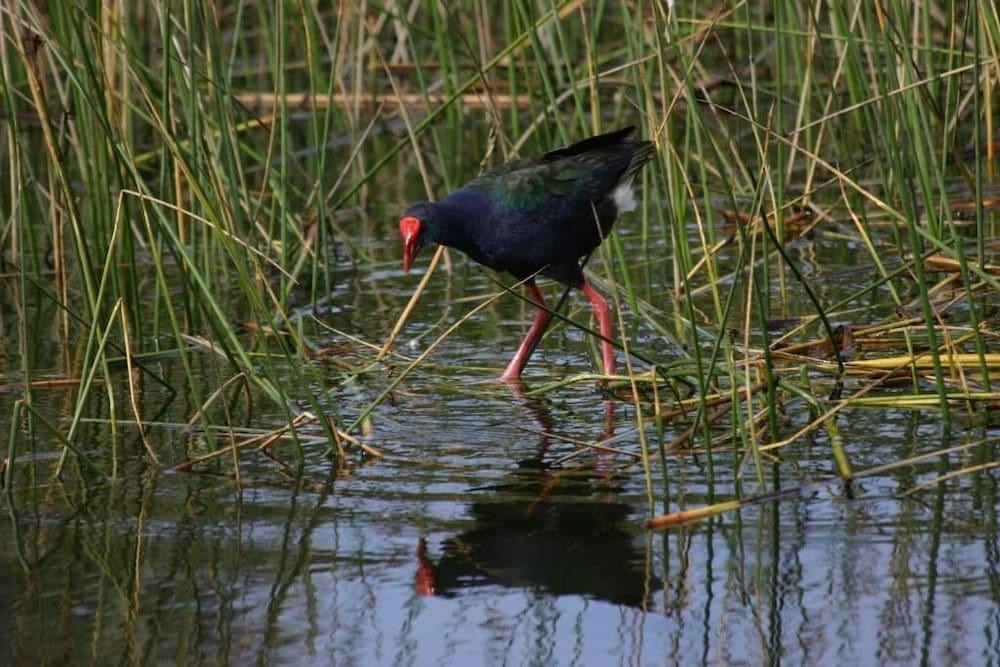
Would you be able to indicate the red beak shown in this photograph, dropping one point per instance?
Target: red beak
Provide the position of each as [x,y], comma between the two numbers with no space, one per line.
[409,230]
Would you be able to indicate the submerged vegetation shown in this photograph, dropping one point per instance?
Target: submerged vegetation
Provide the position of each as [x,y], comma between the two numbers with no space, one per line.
[186,186]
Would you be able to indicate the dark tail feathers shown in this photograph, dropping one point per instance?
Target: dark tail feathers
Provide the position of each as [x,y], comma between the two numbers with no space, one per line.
[642,152]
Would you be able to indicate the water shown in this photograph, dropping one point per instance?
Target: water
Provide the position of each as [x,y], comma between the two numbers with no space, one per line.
[525,566]
[465,544]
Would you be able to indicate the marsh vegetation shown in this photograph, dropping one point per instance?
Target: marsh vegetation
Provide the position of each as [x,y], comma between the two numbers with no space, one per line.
[236,429]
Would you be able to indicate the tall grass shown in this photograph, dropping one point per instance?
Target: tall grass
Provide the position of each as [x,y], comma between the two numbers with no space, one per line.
[178,179]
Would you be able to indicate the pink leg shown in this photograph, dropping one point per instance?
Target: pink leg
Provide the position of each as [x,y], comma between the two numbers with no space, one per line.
[542,318]
[603,314]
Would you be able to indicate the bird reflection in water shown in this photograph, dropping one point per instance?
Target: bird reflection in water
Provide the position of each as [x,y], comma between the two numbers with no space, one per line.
[556,532]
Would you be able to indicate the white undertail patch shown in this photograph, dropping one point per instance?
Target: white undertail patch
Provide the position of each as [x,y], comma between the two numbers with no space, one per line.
[624,198]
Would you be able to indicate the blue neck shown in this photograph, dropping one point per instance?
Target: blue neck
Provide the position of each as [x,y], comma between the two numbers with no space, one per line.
[462,218]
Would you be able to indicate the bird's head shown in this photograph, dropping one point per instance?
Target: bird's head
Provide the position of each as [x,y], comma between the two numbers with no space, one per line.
[415,227]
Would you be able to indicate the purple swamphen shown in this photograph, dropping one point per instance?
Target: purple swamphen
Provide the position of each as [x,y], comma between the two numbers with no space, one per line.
[538,215]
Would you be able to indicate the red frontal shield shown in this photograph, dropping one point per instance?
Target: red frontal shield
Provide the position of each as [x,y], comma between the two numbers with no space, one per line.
[409,231]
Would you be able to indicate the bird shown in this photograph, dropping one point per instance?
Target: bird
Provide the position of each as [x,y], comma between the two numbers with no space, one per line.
[538,216]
